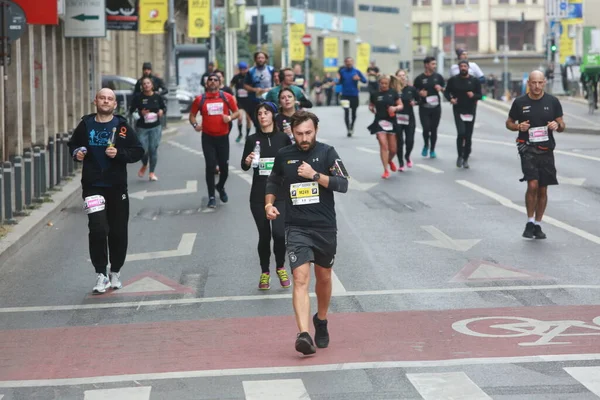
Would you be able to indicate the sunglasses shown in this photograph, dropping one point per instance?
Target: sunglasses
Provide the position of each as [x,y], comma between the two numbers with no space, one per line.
[213,79]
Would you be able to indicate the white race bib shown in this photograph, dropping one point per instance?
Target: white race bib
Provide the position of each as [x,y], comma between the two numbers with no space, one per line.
[467,117]
[345,103]
[304,193]
[386,125]
[92,204]
[242,93]
[432,100]
[539,134]
[372,78]
[265,166]
[150,117]
[402,119]
[215,108]
[299,81]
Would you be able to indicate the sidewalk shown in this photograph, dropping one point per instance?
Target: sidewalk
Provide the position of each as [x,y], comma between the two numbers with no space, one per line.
[15,237]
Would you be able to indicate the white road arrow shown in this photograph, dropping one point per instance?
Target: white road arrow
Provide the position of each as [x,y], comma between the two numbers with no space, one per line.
[184,249]
[357,185]
[446,242]
[190,187]
[571,181]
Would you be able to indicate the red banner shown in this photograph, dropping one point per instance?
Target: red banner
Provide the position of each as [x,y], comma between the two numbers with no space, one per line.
[40,12]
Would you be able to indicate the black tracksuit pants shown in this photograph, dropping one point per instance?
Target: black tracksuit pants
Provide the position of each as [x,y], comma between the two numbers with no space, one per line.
[405,135]
[216,152]
[464,130]
[430,120]
[267,230]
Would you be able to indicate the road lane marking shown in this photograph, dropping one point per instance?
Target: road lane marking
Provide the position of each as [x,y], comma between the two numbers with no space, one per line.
[583,119]
[446,386]
[190,187]
[276,389]
[201,300]
[301,369]
[186,244]
[336,284]
[135,393]
[429,168]
[368,150]
[184,147]
[549,220]
[587,376]
[571,181]
[444,241]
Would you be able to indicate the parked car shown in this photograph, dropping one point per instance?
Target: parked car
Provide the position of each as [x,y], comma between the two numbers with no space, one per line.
[123,87]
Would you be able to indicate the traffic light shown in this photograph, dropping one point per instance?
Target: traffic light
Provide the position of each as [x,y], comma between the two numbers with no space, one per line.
[553,47]
[264,31]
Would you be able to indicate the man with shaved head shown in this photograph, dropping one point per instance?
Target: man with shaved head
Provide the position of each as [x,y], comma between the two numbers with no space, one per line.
[536,115]
[105,144]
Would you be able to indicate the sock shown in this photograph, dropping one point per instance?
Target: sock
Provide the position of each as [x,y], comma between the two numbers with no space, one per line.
[247,131]
[538,223]
[240,129]
[531,220]
[268,273]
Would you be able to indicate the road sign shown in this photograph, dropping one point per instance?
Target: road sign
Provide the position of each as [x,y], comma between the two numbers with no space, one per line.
[307,39]
[14,20]
[85,18]
[557,9]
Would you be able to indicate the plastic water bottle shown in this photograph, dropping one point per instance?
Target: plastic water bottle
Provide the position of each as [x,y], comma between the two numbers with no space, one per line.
[287,125]
[256,158]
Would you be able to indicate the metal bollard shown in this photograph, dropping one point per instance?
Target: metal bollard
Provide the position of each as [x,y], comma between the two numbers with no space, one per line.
[8,212]
[65,155]
[18,164]
[59,156]
[37,174]
[71,163]
[28,177]
[1,198]
[43,180]
[51,160]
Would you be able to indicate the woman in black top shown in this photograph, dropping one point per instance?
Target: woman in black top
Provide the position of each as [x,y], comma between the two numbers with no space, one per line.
[151,107]
[405,119]
[270,140]
[287,108]
[385,103]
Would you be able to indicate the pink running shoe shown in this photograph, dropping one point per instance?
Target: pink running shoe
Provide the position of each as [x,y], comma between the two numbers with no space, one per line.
[409,163]
[386,174]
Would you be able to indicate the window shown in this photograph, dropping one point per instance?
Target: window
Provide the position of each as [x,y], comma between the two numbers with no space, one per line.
[520,1]
[447,2]
[263,3]
[415,2]
[460,2]
[502,1]
[421,34]
[425,2]
[465,37]
[474,1]
[519,34]
[346,6]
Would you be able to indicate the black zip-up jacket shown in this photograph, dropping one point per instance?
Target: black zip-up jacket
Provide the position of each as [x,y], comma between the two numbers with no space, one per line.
[458,87]
[129,150]
[270,144]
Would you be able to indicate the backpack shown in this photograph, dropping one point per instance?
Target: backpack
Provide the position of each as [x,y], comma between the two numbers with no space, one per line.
[269,68]
[221,95]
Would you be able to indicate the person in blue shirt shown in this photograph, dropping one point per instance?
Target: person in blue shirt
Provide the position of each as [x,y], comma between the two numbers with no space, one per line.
[348,78]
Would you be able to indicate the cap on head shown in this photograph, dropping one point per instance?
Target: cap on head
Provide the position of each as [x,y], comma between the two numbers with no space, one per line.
[460,52]
[268,105]
[147,65]
[242,65]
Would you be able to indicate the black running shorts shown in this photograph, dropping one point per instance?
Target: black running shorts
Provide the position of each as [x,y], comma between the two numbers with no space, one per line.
[310,245]
[539,167]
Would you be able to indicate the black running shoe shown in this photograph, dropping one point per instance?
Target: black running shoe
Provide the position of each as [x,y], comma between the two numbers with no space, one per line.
[466,164]
[304,344]
[529,230]
[459,162]
[537,232]
[321,333]
[223,195]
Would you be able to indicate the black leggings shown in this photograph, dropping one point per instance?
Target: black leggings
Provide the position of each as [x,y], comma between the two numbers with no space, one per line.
[464,132]
[108,228]
[216,152]
[405,135]
[267,230]
[430,120]
[353,106]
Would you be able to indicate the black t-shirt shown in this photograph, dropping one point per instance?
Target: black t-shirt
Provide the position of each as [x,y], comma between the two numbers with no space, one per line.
[299,81]
[153,103]
[238,83]
[458,87]
[227,89]
[307,203]
[428,83]
[382,101]
[539,113]
[317,86]
[270,144]
[372,78]
[409,93]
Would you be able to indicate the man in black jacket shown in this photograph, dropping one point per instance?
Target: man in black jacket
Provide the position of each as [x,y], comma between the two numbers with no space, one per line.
[105,144]
[159,84]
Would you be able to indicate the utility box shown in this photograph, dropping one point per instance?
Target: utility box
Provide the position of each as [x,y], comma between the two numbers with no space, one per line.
[191,62]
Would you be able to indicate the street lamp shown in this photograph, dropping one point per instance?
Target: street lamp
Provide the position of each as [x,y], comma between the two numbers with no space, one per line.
[173,110]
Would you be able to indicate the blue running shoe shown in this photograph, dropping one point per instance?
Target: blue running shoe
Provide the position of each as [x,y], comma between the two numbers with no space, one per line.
[425,150]
[432,154]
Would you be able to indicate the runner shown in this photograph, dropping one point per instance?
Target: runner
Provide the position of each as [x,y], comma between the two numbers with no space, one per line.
[536,115]
[385,103]
[217,109]
[241,95]
[317,87]
[373,77]
[429,85]
[222,85]
[463,91]
[299,79]
[474,69]
[308,173]
[405,119]
[271,141]
[348,79]
[286,77]
[151,107]
[159,84]
[259,80]
[210,69]
[287,101]
[105,144]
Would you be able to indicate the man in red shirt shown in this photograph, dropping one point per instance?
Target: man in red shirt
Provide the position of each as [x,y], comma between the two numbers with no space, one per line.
[217,110]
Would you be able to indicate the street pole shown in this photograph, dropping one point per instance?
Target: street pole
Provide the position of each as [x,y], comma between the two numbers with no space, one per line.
[213,32]
[339,28]
[173,110]
[258,27]
[306,48]
[506,58]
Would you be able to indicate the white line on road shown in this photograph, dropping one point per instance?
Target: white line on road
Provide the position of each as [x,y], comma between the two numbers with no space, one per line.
[336,284]
[429,168]
[588,376]
[200,300]
[368,150]
[190,187]
[276,389]
[184,147]
[134,393]
[509,204]
[184,249]
[446,386]
[571,181]
[444,241]
[301,369]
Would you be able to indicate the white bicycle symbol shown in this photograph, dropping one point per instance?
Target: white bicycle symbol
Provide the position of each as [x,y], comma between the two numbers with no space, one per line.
[512,327]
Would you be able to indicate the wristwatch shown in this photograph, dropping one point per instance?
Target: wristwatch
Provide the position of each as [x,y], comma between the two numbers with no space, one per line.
[316,177]
[195,124]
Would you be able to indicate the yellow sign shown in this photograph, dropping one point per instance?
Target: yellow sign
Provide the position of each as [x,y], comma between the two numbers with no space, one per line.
[199,18]
[297,48]
[567,37]
[330,54]
[154,14]
[363,55]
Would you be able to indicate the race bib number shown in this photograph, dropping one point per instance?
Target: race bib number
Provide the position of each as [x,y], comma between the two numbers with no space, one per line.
[386,125]
[93,204]
[345,103]
[372,78]
[150,117]
[299,81]
[304,193]
[265,166]
[215,108]
[402,119]
[467,117]
[539,134]
[242,93]
[432,100]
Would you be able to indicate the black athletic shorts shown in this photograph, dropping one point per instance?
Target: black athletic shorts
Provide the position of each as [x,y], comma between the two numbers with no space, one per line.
[539,166]
[246,105]
[352,99]
[310,245]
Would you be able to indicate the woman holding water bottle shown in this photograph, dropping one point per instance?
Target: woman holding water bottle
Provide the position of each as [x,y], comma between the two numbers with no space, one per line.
[259,154]
[287,103]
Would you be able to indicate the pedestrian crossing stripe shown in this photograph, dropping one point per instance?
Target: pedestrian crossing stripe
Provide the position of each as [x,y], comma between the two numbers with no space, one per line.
[276,389]
[135,393]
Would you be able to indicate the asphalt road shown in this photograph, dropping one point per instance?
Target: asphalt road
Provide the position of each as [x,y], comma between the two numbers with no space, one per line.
[436,296]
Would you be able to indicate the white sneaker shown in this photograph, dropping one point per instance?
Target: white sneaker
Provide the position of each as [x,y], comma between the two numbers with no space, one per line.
[101,284]
[115,282]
